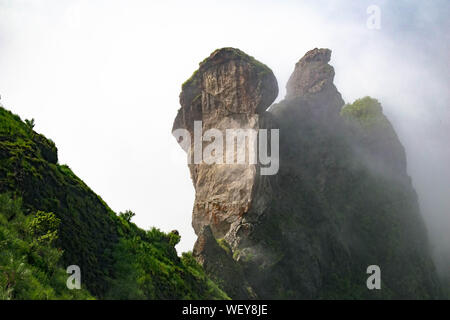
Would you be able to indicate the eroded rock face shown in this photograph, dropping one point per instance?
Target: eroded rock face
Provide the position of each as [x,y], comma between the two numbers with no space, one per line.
[311,231]
[312,79]
[231,90]
[312,74]
[216,257]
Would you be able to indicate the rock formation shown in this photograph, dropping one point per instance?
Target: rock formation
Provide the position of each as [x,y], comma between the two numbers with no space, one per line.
[313,78]
[341,201]
[230,90]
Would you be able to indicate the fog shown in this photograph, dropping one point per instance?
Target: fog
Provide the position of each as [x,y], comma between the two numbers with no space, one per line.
[102,79]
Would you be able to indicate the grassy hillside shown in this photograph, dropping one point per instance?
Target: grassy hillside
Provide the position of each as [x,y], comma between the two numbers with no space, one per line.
[117,259]
[29,266]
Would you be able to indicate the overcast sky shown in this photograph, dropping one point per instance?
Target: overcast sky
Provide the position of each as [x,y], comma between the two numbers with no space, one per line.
[102,79]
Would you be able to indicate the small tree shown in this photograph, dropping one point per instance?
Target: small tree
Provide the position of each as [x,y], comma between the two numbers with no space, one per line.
[44,227]
[174,238]
[14,270]
[127,215]
[30,123]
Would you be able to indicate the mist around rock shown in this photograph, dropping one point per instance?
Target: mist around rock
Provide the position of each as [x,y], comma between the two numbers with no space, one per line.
[352,202]
[342,202]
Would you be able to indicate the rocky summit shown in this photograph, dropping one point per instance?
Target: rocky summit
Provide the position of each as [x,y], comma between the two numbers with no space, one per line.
[230,90]
[341,201]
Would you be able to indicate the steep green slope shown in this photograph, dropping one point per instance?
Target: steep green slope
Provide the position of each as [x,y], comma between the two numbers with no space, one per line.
[29,169]
[29,266]
[110,250]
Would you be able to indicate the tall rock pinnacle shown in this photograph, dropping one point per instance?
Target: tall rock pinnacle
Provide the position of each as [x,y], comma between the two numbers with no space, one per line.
[229,90]
[313,79]
[311,230]
[312,74]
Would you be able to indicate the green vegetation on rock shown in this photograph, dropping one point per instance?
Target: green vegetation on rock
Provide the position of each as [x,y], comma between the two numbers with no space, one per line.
[343,202]
[367,111]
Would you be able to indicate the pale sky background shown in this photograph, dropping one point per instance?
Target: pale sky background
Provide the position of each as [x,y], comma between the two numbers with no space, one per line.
[102,79]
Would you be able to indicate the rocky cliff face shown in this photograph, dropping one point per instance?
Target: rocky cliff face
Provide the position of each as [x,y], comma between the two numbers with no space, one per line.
[341,201]
[313,78]
[231,90]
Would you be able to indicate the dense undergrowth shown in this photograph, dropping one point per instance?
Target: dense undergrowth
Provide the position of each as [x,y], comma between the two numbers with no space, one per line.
[117,259]
[29,263]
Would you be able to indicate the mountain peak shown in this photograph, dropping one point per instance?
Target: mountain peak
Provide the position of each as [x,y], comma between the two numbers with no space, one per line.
[312,74]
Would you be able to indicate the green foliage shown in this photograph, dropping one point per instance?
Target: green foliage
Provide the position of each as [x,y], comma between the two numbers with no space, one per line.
[147,267]
[224,245]
[29,170]
[213,290]
[174,238]
[127,215]
[30,269]
[192,81]
[50,207]
[44,227]
[30,123]
[367,111]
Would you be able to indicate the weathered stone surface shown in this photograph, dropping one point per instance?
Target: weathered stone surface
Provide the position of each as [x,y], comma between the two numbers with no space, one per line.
[216,258]
[312,74]
[312,79]
[311,231]
[231,90]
